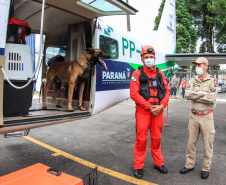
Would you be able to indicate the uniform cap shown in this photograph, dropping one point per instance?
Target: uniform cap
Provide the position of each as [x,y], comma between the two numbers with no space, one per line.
[201,60]
[147,49]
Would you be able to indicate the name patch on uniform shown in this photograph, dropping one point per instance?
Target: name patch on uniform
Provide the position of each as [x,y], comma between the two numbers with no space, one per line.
[154,82]
[133,78]
[213,89]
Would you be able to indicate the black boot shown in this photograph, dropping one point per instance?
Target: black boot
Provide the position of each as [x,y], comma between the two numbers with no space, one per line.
[205,174]
[186,170]
[138,173]
[162,169]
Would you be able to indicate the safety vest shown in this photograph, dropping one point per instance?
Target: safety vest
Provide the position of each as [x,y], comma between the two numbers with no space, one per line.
[157,83]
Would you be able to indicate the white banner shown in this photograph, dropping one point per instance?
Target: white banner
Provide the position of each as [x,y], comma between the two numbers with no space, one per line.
[4,13]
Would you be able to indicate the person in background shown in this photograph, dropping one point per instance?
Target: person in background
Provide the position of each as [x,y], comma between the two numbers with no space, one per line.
[180,93]
[184,84]
[174,84]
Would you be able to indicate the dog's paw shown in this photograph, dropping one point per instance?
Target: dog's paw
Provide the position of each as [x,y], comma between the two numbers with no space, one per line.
[71,110]
[58,106]
[82,108]
[44,108]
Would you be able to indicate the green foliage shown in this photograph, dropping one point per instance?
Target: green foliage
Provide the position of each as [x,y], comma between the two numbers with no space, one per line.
[202,48]
[221,48]
[181,45]
[209,17]
[220,34]
[193,48]
[186,35]
[158,18]
[205,19]
[186,23]
[194,35]
[180,29]
[178,47]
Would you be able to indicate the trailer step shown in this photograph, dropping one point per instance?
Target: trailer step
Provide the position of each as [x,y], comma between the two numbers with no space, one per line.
[16,134]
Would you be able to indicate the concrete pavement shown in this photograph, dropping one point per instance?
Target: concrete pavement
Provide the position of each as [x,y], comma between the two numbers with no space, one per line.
[107,140]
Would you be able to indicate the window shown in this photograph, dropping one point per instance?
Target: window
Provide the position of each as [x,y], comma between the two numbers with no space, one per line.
[101,5]
[110,46]
[53,51]
[107,7]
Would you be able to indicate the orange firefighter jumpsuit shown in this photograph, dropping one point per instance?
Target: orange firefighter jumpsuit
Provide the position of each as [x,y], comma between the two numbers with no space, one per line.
[145,120]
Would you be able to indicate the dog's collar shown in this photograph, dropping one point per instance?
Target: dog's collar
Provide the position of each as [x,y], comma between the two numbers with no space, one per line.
[85,61]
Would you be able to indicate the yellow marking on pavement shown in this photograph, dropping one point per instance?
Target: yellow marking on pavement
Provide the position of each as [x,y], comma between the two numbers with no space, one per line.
[90,164]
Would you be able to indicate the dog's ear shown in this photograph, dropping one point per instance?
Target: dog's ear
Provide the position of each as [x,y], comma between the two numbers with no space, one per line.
[90,50]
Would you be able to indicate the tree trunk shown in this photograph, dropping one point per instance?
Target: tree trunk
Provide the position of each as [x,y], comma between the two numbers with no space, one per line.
[209,40]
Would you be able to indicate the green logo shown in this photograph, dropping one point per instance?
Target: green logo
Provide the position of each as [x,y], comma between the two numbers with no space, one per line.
[108,31]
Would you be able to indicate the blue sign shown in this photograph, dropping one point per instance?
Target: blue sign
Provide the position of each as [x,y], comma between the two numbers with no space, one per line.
[30,40]
[2,51]
[117,77]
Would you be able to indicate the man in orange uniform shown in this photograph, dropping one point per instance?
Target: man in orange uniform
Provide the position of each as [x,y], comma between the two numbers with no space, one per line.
[150,102]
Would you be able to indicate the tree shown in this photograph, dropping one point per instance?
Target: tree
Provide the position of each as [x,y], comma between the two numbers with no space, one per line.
[209,18]
[202,48]
[158,18]
[186,35]
[194,38]
[219,6]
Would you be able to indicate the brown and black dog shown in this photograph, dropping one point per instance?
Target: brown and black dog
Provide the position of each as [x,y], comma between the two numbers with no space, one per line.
[73,72]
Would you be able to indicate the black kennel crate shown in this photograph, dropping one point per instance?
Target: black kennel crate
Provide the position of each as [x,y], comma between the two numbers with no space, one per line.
[16,102]
[91,178]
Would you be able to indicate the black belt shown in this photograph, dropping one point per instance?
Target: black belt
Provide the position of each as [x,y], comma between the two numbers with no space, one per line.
[157,103]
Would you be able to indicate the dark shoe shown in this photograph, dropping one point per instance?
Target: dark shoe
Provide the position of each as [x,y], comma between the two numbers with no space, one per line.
[138,173]
[186,170]
[205,174]
[162,169]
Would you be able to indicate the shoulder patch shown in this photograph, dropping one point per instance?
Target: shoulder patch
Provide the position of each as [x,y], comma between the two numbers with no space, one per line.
[188,86]
[197,83]
[134,79]
[213,89]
